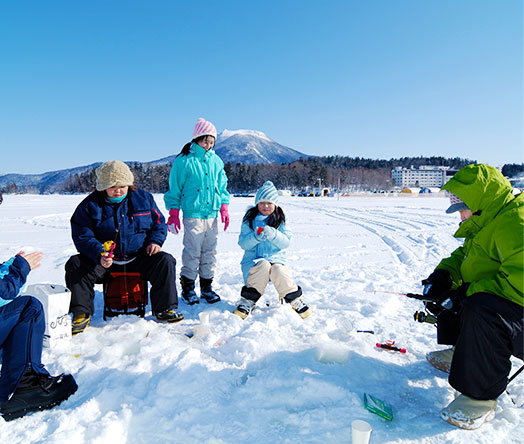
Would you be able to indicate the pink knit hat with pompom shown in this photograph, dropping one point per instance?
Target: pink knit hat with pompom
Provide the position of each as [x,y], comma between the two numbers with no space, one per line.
[204,128]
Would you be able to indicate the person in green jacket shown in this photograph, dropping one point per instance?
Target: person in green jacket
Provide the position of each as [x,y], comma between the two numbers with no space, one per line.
[483,283]
[198,187]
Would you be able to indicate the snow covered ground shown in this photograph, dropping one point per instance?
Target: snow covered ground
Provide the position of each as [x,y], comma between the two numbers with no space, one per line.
[272,378]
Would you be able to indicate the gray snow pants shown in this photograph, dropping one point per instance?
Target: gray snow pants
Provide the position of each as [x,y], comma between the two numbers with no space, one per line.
[200,248]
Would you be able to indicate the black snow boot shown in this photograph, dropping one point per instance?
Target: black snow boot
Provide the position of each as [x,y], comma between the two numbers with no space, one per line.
[206,292]
[297,303]
[188,291]
[37,392]
[249,297]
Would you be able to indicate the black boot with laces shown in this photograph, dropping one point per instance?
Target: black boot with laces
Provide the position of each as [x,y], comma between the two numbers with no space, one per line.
[37,392]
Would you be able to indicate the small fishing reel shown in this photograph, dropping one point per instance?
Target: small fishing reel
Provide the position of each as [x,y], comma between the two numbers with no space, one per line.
[422,316]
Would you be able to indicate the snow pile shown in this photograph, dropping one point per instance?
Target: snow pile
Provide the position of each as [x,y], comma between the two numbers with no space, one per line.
[272,378]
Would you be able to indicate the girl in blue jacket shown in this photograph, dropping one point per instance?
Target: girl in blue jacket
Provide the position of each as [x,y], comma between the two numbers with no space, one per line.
[263,237]
[197,186]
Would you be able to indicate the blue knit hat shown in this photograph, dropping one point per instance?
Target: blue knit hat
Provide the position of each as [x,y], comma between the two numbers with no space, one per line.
[267,193]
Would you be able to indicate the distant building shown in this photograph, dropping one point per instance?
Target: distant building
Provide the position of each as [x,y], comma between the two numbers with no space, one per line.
[424,176]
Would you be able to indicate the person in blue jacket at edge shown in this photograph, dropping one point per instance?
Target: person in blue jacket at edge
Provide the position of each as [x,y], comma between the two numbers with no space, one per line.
[25,384]
[117,211]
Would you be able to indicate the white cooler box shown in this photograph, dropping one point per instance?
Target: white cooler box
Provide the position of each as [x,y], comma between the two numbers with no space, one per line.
[55,299]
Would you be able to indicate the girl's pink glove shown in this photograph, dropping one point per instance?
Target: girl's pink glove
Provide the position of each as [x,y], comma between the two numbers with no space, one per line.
[173,222]
[224,212]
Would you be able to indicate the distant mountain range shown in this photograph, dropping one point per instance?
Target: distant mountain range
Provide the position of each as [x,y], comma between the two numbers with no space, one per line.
[239,146]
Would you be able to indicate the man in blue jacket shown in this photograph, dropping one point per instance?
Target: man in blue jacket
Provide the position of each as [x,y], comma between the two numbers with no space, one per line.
[129,217]
[25,385]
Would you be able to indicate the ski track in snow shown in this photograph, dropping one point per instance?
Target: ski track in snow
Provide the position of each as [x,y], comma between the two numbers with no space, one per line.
[272,378]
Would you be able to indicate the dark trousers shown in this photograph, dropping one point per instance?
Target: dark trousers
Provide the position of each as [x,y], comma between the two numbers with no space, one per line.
[488,333]
[159,269]
[22,327]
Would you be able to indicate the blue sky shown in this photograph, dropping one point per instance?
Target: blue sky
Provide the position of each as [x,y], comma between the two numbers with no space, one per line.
[88,81]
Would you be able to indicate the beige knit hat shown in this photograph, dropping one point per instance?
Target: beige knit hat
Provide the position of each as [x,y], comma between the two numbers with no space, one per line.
[113,173]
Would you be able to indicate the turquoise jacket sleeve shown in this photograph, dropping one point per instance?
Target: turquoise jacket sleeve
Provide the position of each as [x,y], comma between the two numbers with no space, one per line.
[173,197]
[13,279]
[222,186]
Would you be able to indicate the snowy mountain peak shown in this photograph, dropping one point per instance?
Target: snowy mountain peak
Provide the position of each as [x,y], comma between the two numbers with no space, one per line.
[253,147]
[226,134]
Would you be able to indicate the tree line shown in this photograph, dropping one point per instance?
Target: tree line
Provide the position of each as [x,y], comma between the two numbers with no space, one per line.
[513,169]
[335,172]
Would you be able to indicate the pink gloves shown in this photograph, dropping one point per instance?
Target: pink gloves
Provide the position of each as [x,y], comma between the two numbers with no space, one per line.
[224,212]
[173,222]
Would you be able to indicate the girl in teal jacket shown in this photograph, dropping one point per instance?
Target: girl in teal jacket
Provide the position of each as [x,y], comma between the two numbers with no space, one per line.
[198,187]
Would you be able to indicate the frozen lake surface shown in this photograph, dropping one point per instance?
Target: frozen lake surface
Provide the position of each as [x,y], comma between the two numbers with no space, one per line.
[273,378]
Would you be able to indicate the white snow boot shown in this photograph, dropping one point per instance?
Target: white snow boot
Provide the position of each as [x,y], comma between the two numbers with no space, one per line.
[441,359]
[300,307]
[468,413]
[244,307]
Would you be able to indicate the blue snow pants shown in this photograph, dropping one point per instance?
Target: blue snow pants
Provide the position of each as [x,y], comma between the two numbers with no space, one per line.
[22,327]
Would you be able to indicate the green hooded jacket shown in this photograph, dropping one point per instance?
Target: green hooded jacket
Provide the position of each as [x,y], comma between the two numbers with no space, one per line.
[492,257]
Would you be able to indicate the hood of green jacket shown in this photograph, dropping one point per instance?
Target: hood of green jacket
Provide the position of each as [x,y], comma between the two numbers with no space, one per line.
[491,260]
[484,190]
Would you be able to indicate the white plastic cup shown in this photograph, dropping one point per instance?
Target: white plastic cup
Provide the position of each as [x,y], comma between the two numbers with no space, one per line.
[204,317]
[360,432]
